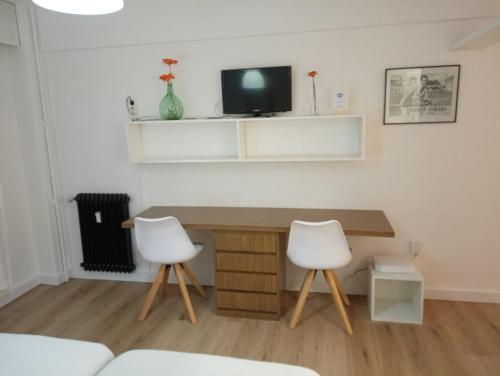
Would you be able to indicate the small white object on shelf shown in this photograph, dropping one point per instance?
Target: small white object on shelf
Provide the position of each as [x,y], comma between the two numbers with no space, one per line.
[255,139]
[396,297]
[341,99]
[393,264]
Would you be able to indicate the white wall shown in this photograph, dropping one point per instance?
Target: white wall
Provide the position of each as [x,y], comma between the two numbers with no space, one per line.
[438,184]
[18,236]
[34,139]
[24,175]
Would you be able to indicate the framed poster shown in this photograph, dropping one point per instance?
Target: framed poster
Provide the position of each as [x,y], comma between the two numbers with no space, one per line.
[419,95]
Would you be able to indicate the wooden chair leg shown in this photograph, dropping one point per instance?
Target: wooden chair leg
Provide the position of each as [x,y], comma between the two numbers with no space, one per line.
[341,289]
[184,292]
[306,286]
[193,279]
[338,300]
[152,293]
[165,281]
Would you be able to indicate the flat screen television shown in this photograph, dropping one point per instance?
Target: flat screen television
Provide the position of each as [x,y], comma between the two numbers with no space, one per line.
[257,90]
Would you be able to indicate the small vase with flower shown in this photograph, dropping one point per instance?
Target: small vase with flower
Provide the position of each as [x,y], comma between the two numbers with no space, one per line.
[313,74]
[170,106]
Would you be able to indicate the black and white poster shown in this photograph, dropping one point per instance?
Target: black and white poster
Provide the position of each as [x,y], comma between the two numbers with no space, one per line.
[421,94]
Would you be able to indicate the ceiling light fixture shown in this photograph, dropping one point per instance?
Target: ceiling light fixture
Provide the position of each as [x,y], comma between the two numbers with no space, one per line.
[84,7]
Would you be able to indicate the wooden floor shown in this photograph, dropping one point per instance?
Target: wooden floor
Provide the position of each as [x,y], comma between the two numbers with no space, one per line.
[456,339]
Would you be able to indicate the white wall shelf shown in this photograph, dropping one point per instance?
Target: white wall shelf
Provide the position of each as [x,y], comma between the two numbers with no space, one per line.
[260,139]
[396,297]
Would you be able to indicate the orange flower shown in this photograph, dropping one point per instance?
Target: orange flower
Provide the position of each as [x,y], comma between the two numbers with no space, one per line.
[169,61]
[312,73]
[167,77]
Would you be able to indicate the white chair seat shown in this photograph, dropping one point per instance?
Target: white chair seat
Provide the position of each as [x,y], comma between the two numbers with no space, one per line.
[318,245]
[164,241]
[155,362]
[317,263]
[23,355]
[198,247]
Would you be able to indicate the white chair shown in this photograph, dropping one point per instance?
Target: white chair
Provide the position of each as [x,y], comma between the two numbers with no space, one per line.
[320,246]
[164,241]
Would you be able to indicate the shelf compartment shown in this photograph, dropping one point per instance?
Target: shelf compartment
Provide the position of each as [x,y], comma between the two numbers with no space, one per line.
[396,297]
[183,141]
[304,139]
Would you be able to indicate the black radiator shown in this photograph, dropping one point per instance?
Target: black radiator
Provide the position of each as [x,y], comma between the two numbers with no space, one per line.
[106,246]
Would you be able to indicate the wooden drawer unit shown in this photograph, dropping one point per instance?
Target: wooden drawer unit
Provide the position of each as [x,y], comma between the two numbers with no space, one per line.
[241,262]
[247,301]
[244,241]
[247,282]
[249,273]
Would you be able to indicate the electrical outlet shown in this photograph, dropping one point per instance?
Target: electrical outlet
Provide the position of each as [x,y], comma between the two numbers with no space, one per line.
[415,248]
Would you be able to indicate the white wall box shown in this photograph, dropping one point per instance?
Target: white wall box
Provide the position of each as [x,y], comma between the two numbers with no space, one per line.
[259,139]
[396,297]
[8,24]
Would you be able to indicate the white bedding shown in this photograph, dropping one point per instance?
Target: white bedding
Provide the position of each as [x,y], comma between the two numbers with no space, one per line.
[26,355]
[156,362]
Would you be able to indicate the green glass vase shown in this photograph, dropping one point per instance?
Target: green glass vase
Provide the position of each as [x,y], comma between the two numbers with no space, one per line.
[170,106]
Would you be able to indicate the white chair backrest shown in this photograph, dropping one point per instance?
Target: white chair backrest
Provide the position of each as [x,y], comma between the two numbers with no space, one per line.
[163,240]
[319,243]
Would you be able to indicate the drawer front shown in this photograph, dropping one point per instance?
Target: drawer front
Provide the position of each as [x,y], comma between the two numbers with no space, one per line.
[240,262]
[247,301]
[241,241]
[246,282]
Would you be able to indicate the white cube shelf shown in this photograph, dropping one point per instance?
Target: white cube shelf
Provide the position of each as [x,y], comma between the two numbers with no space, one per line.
[396,297]
[306,138]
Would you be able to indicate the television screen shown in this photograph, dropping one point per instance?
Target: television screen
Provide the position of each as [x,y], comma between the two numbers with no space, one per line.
[257,90]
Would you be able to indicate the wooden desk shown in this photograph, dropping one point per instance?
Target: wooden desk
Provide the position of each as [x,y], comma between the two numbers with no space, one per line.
[250,247]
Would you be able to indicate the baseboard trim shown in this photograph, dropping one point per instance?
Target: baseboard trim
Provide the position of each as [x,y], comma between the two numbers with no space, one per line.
[52,280]
[125,277]
[205,279]
[473,296]
[319,285]
[16,291]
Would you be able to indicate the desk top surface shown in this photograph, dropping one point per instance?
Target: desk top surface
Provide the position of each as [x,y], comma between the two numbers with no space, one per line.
[354,222]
